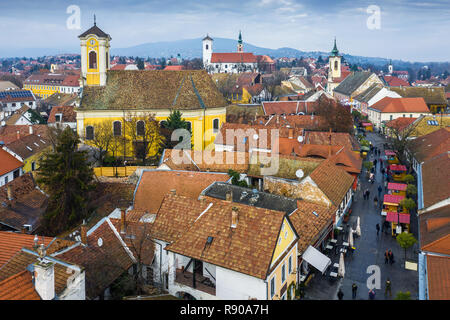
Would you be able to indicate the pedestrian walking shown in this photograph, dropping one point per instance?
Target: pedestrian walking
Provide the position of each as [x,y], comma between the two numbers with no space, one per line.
[368,194]
[391,257]
[386,257]
[354,289]
[371,177]
[388,288]
[340,294]
[371,294]
[382,171]
[375,162]
[379,191]
[375,201]
[378,229]
[385,185]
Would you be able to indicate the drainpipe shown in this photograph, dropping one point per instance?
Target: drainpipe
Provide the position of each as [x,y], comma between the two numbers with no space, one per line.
[160,263]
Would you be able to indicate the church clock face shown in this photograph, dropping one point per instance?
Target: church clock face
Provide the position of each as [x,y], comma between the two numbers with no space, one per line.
[92,42]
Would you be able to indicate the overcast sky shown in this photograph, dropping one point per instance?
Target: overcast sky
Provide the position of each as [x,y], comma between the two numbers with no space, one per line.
[410,30]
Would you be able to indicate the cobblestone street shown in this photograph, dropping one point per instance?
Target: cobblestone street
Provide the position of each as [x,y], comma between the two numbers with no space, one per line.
[370,250]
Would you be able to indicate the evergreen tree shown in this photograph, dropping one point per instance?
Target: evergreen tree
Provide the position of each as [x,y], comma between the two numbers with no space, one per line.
[174,121]
[140,64]
[67,178]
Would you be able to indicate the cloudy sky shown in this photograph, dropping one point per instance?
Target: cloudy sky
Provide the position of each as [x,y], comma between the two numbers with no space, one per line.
[410,30]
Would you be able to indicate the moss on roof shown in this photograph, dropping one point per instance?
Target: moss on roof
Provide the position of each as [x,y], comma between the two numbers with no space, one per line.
[432,95]
[155,89]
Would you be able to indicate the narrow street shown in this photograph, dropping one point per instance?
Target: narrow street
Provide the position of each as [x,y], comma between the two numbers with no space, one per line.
[370,249]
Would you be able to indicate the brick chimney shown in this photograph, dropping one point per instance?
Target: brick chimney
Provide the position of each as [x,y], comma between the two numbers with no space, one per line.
[123,221]
[234,217]
[229,196]
[44,279]
[83,233]
[9,193]
[291,133]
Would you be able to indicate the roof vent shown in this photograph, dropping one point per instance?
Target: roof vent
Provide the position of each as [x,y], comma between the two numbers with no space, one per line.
[100,242]
[209,240]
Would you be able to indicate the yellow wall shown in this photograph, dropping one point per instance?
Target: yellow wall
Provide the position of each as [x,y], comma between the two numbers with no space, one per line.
[93,74]
[34,158]
[245,98]
[285,239]
[43,91]
[85,118]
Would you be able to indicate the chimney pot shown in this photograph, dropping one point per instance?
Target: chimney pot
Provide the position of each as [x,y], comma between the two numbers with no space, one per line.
[291,133]
[229,196]
[234,217]
[173,191]
[83,233]
[123,221]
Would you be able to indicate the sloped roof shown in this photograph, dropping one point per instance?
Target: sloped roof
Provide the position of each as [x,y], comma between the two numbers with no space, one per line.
[438,277]
[332,180]
[12,242]
[12,120]
[332,138]
[233,57]
[395,81]
[18,287]
[16,96]
[369,93]
[436,179]
[248,248]
[432,95]
[308,225]
[68,114]
[352,82]
[154,89]
[435,230]
[155,184]
[9,163]
[431,145]
[400,123]
[61,99]
[423,127]
[398,105]
[95,31]
[8,133]
[28,146]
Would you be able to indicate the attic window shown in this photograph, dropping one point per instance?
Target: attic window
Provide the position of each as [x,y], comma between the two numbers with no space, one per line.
[58,117]
[315,213]
[29,148]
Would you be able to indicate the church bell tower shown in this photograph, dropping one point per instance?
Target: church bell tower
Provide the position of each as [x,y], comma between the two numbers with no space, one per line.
[95,58]
[240,46]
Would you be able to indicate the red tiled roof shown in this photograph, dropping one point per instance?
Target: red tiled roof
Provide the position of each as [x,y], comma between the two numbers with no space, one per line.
[71,81]
[28,146]
[436,179]
[333,138]
[8,133]
[289,107]
[399,105]
[233,57]
[150,193]
[435,230]
[68,114]
[431,145]
[396,82]
[438,277]
[18,287]
[174,68]
[400,123]
[8,162]
[12,243]
[392,198]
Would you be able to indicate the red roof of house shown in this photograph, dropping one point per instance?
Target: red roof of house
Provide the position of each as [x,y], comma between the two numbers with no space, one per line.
[397,186]
[400,123]
[233,57]
[8,162]
[438,277]
[392,198]
[68,114]
[71,81]
[18,287]
[174,68]
[395,82]
[118,67]
[397,167]
[398,105]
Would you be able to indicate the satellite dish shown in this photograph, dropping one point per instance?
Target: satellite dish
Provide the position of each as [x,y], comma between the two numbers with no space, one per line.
[300,139]
[100,242]
[255,137]
[299,173]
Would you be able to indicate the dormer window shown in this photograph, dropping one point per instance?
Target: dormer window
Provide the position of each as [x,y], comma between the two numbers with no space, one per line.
[58,117]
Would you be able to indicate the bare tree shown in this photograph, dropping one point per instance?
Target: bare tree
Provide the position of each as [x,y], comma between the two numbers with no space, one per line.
[143,130]
[400,139]
[270,84]
[101,138]
[226,85]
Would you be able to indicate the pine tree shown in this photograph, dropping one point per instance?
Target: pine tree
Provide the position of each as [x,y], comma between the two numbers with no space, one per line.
[67,178]
[174,121]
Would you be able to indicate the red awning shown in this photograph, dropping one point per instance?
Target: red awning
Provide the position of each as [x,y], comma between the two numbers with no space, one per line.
[404,218]
[392,198]
[389,152]
[392,217]
[397,186]
[397,167]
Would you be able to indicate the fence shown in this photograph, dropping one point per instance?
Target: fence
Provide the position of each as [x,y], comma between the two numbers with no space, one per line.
[114,171]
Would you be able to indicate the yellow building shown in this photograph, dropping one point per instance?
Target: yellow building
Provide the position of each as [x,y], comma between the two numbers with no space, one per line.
[29,149]
[111,95]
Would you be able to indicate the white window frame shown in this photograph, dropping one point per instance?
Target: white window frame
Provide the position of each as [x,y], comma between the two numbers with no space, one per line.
[218,125]
[273,288]
[283,273]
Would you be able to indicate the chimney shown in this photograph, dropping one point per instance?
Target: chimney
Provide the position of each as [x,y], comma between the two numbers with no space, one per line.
[83,233]
[173,191]
[202,199]
[229,196]
[234,217]
[30,129]
[18,134]
[44,279]
[9,192]
[278,119]
[123,221]
[291,133]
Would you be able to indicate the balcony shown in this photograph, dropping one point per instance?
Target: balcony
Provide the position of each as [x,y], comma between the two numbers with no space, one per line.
[201,283]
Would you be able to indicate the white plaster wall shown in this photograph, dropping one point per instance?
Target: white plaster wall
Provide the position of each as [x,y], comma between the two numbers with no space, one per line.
[231,285]
[75,291]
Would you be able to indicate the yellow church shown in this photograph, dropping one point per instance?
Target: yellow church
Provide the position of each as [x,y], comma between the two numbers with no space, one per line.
[111,94]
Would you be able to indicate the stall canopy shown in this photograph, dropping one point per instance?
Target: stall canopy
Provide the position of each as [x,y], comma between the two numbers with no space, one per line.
[389,153]
[316,258]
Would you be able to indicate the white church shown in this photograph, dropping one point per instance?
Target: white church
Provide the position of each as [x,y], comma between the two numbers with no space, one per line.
[228,62]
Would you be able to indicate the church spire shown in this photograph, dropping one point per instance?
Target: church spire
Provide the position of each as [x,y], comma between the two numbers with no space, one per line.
[335,51]
[240,46]
[95,22]
[240,37]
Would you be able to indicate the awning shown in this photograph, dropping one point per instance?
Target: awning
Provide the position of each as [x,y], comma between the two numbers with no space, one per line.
[392,217]
[404,218]
[316,258]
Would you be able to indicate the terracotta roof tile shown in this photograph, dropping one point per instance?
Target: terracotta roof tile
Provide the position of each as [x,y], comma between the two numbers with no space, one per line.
[8,133]
[9,163]
[233,57]
[68,114]
[438,277]
[18,287]
[155,184]
[248,248]
[12,243]
[399,105]
[431,145]
[28,146]
[436,183]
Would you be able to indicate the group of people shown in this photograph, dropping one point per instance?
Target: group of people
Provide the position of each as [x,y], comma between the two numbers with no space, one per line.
[372,292]
[388,257]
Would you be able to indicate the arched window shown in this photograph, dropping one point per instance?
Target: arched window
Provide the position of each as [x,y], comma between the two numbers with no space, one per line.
[89,133]
[92,60]
[163,124]
[207,47]
[140,128]
[216,125]
[335,65]
[117,128]
[189,125]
